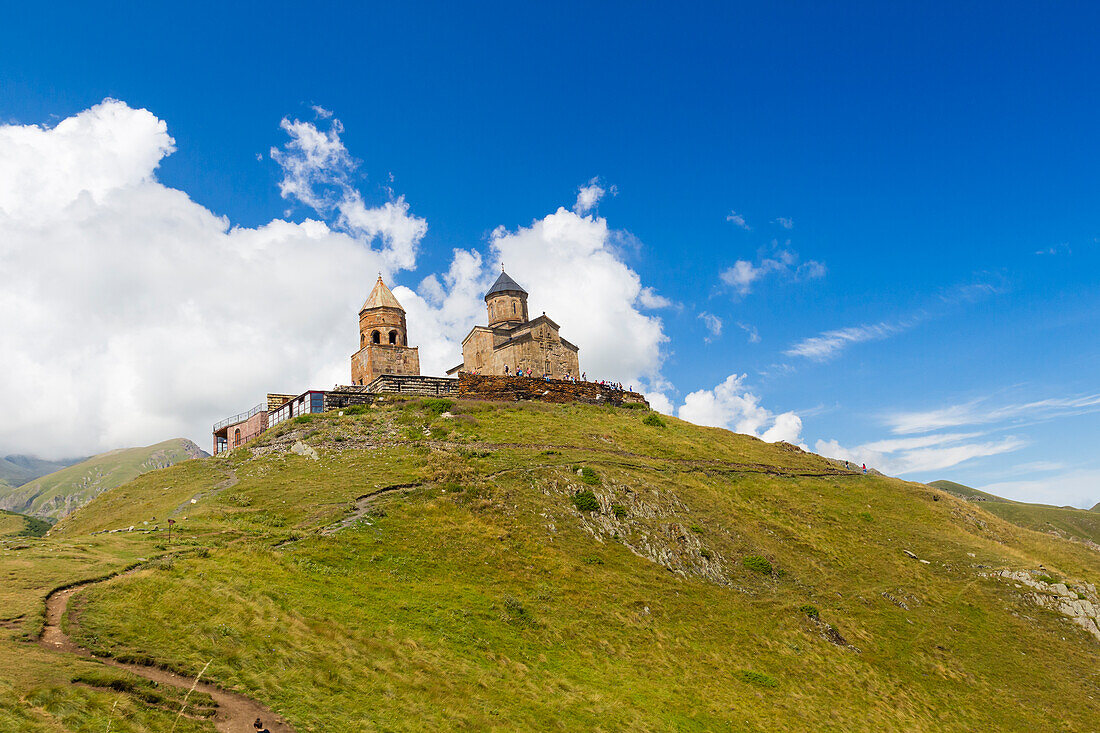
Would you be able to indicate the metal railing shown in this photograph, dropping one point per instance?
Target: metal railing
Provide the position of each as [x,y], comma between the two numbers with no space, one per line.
[240,418]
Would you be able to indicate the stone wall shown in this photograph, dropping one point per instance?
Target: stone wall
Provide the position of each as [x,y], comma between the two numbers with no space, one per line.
[394,384]
[494,387]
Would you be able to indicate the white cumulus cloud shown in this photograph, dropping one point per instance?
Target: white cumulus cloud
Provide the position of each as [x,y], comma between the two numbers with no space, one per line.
[589,195]
[731,405]
[132,314]
[573,273]
[317,171]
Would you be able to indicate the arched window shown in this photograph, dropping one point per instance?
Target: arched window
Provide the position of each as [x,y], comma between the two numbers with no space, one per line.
[513,309]
[362,340]
[393,337]
[236,437]
[376,338]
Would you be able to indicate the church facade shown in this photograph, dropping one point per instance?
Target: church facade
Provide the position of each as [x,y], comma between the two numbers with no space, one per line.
[383,339]
[513,342]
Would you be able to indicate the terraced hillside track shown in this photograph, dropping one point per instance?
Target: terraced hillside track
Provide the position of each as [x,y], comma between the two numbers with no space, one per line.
[236,713]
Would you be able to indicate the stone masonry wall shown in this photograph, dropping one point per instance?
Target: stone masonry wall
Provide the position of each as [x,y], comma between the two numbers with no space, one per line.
[494,387]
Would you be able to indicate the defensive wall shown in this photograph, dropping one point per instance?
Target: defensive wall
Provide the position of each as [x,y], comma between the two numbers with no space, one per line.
[509,388]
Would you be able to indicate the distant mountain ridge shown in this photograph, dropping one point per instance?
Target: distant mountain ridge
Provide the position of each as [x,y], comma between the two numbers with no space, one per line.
[61,492]
[16,470]
[1081,524]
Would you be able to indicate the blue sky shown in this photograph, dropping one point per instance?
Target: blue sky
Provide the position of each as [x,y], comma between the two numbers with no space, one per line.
[911,191]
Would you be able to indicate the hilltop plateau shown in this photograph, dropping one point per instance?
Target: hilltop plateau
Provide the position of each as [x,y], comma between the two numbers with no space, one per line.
[424,564]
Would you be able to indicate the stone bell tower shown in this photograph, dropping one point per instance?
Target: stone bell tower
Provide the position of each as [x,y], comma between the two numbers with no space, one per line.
[383,339]
[506,302]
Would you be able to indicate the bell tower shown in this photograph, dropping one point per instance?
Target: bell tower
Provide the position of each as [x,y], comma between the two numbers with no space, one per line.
[506,302]
[383,339]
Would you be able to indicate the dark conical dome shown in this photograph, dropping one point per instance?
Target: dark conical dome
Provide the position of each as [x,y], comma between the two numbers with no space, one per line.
[504,284]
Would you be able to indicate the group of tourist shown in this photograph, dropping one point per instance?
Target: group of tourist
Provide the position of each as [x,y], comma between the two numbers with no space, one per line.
[530,373]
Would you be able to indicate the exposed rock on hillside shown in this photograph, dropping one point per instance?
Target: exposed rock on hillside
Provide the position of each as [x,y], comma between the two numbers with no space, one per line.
[1077,602]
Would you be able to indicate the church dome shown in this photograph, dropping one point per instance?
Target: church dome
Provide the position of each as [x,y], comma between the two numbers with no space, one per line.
[504,284]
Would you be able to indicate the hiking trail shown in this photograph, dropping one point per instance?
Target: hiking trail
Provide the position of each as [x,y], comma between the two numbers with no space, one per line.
[236,713]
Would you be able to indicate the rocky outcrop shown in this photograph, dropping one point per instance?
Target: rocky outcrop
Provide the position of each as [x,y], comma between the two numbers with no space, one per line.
[654,525]
[1078,603]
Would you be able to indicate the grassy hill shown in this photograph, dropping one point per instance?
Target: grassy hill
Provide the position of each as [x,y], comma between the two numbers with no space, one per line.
[59,493]
[967,492]
[1067,521]
[20,525]
[530,567]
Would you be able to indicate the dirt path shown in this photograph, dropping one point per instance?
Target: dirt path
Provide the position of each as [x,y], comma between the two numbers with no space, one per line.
[236,713]
[363,506]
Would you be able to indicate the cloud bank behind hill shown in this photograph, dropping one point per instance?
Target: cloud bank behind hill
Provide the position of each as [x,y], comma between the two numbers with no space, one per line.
[130,313]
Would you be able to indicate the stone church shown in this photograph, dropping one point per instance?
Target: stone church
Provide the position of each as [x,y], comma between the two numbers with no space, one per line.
[383,339]
[513,342]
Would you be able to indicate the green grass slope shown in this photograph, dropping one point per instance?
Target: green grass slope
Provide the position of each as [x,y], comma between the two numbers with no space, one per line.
[566,567]
[13,524]
[1080,524]
[61,492]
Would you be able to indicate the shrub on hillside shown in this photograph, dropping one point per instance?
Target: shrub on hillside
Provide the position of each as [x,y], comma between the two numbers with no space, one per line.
[590,477]
[757,564]
[437,406]
[586,501]
[592,560]
[517,614]
[34,527]
[654,420]
[303,419]
[866,516]
[757,678]
[705,554]
[356,410]
[809,610]
[619,511]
